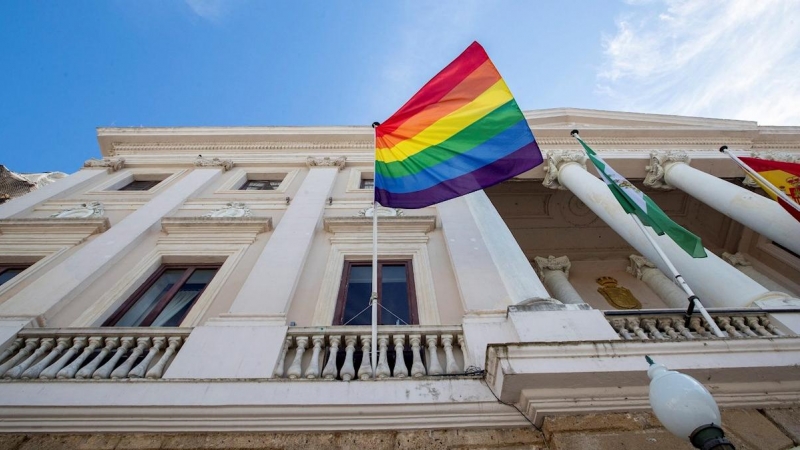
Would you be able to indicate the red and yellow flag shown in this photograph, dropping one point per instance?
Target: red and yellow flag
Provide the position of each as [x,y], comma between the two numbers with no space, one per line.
[784,176]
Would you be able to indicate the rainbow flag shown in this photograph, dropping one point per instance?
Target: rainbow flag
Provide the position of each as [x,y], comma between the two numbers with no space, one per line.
[462,132]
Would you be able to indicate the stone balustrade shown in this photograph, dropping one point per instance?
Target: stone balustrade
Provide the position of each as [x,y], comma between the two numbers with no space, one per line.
[671,325]
[343,353]
[98,353]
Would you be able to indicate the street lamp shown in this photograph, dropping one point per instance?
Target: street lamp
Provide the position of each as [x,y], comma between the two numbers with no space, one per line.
[686,408]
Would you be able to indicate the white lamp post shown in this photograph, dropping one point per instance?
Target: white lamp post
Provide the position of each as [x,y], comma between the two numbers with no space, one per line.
[686,408]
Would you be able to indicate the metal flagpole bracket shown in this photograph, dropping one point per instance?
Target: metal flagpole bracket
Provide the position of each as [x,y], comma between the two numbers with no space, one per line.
[574,133]
[690,310]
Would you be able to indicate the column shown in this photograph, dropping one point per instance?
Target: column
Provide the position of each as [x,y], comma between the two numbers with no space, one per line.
[762,214]
[740,262]
[716,283]
[247,341]
[45,296]
[663,286]
[555,276]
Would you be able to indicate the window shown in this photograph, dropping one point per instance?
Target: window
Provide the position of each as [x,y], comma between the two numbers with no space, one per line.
[10,271]
[165,297]
[139,185]
[396,294]
[260,185]
[367,183]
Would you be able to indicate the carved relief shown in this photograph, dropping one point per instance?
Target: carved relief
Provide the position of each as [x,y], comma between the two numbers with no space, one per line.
[575,212]
[112,164]
[85,210]
[617,296]
[655,171]
[231,209]
[638,264]
[554,161]
[552,263]
[226,164]
[735,259]
[326,161]
[383,211]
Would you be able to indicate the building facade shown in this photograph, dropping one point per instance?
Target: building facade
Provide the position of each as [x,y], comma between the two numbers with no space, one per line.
[202,280]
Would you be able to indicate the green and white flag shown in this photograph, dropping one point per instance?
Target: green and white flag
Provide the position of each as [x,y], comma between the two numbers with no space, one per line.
[634,201]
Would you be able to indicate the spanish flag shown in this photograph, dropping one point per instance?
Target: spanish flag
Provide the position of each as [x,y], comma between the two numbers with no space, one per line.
[783,176]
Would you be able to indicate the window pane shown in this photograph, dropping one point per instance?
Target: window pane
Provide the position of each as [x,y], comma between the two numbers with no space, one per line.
[394,295]
[367,184]
[260,185]
[9,274]
[139,185]
[359,289]
[145,304]
[183,300]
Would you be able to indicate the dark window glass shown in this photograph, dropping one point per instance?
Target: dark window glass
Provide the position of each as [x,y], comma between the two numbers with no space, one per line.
[260,185]
[367,184]
[9,272]
[139,185]
[165,298]
[395,294]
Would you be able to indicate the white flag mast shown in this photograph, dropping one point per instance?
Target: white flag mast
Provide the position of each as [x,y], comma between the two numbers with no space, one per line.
[374,297]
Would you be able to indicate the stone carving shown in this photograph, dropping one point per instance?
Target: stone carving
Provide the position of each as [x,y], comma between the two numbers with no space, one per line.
[111,164]
[770,156]
[552,263]
[617,296]
[638,265]
[655,171]
[231,209]
[735,259]
[383,211]
[226,164]
[85,210]
[553,162]
[326,161]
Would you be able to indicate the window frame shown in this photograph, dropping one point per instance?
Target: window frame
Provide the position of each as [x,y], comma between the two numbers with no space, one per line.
[189,269]
[267,183]
[124,187]
[338,315]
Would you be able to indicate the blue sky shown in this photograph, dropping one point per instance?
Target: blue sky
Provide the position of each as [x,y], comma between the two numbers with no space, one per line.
[68,67]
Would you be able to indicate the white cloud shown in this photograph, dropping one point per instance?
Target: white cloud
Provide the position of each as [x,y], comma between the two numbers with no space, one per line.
[737,59]
[211,10]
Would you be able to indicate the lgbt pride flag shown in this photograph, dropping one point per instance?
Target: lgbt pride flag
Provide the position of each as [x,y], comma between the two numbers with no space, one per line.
[462,132]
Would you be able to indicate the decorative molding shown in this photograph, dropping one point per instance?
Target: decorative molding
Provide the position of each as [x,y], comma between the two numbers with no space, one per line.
[642,142]
[213,230]
[552,263]
[134,148]
[231,209]
[555,159]
[735,259]
[387,225]
[226,164]
[64,231]
[638,264]
[84,211]
[656,170]
[326,161]
[383,211]
[112,165]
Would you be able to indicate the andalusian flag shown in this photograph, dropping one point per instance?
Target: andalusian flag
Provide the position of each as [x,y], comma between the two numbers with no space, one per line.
[461,132]
[783,176]
[634,201]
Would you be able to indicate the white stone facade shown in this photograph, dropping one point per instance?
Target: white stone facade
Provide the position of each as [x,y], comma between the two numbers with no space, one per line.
[506,283]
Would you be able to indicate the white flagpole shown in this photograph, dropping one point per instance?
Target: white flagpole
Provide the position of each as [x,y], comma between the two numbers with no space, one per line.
[374,297]
[762,180]
[694,302]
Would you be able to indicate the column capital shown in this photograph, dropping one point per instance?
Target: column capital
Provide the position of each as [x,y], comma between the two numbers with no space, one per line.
[658,162]
[557,159]
[226,164]
[112,165]
[638,265]
[770,156]
[552,263]
[735,259]
[326,161]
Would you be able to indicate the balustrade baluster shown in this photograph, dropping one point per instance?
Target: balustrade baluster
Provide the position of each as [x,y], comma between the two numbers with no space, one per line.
[417,368]
[400,369]
[33,371]
[50,372]
[725,324]
[365,369]
[633,325]
[87,370]
[382,369]
[678,323]
[618,324]
[105,370]
[30,345]
[434,368]
[697,324]
[752,322]
[771,328]
[142,343]
[11,349]
[665,324]
[158,369]
[460,339]
[329,372]
[650,325]
[140,369]
[313,367]
[295,370]
[348,369]
[278,373]
[739,323]
[451,366]
[44,346]
[72,368]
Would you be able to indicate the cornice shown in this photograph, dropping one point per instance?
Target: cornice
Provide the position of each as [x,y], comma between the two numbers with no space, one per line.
[408,224]
[226,225]
[54,225]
